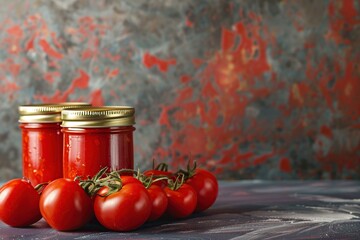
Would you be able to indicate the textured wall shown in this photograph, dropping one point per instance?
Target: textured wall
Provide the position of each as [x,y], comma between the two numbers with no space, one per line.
[251,89]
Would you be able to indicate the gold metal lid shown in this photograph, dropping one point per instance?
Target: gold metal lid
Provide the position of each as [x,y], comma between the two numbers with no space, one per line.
[94,117]
[47,112]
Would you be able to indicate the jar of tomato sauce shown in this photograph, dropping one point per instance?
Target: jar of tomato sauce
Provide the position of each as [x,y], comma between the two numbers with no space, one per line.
[42,141]
[97,137]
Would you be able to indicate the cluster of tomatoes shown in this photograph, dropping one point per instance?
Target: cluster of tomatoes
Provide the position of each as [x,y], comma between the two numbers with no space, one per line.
[120,200]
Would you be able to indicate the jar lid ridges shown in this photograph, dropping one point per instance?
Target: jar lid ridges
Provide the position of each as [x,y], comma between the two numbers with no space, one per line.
[106,116]
[46,112]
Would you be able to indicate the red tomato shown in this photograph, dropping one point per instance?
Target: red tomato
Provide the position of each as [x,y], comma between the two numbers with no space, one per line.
[181,202]
[129,179]
[159,202]
[155,172]
[124,210]
[19,203]
[65,205]
[206,187]
[158,174]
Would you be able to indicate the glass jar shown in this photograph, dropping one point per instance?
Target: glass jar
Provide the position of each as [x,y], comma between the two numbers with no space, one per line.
[42,141]
[97,137]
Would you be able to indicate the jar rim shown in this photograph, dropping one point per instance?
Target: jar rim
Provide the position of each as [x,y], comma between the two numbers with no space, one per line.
[46,112]
[105,116]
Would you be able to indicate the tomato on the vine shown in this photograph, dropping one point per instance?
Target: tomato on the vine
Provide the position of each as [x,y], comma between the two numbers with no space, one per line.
[129,179]
[125,209]
[19,203]
[206,187]
[160,171]
[181,200]
[159,201]
[65,205]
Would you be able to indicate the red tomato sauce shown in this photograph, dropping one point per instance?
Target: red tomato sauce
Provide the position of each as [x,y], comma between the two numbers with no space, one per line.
[42,151]
[87,150]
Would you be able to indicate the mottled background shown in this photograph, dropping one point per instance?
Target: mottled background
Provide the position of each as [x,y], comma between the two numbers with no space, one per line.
[251,89]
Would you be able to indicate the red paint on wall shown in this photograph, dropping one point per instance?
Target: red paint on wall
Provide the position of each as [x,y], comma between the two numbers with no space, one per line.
[349,12]
[285,165]
[337,90]
[197,62]
[9,87]
[12,40]
[209,90]
[15,31]
[97,98]
[112,73]
[185,79]
[164,118]
[242,160]
[213,118]
[184,94]
[347,91]
[343,18]
[56,97]
[298,94]
[30,44]
[49,50]
[189,23]
[347,159]
[56,41]
[51,76]
[208,116]
[86,25]
[262,158]
[189,111]
[88,54]
[80,82]
[10,66]
[113,57]
[227,39]
[326,131]
[163,64]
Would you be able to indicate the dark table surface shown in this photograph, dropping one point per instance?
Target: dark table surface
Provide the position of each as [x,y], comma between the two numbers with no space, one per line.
[244,210]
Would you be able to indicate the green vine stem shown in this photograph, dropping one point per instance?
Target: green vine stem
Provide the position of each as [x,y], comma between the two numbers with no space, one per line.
[190,170]
[179,181]
[102,179]
[162,167]
[40,187]
[112,180]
